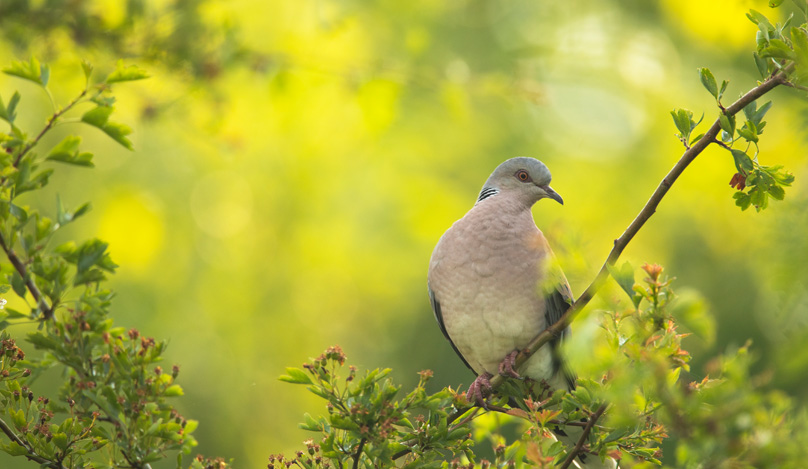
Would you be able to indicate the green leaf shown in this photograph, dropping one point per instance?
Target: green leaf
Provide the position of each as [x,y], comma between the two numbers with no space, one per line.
[30,70]
[708,80]
[779,50]
[124,73]
[762,65]
[18,284]
[18,418]
[624,277]
[295,376]
[802,5]
[742,200]
[759,19]
[775,3]
[742,161]
[99,117]
[777,192]
[87,67]
[68,152]
[727,123]
[60,440]
[8,113]
[14,449]
[174,390]
[724,85]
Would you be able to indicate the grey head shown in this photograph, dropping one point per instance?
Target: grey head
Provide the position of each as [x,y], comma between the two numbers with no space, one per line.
[527,179]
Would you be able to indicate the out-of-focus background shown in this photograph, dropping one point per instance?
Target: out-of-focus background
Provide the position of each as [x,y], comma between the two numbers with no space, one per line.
[295,163]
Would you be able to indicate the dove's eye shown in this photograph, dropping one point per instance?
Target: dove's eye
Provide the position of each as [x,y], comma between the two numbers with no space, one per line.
[522,175]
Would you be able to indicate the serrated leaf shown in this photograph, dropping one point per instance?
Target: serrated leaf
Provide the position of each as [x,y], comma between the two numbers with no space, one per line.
[777,192]
[778,50]
[19,419]
[87,68]
[97,116]
[14,449]
[30,70]
[295,376]
[126,73]
[68,152]
[742,200]
[8,113]
[708,80]
[775,3]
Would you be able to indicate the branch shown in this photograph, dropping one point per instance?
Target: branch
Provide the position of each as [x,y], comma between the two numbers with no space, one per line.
[781,78]
[31,453]
[358,453]
[580,445]
[51,122]
[47,311]
[777,79]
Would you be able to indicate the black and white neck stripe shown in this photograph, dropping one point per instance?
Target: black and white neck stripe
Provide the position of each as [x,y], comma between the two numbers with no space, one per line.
[486,193]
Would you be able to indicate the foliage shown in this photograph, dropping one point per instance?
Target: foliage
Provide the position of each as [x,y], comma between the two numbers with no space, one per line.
[114,408]
[781,48]
[639,399]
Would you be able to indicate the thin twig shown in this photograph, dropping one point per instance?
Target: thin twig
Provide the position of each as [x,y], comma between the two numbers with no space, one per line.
[638,222]
[359,453]
[553,331]
[31,453]
[56,115]
[584,435]
[47,311]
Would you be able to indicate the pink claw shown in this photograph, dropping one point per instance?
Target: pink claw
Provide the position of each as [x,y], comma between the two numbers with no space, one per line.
[506,366]
[479,389]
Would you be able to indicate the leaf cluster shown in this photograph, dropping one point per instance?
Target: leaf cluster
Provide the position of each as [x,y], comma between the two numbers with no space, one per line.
[115,407]
[368,426]
[781,53]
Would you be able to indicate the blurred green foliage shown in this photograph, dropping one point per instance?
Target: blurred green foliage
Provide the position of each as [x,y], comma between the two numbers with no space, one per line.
[295,162]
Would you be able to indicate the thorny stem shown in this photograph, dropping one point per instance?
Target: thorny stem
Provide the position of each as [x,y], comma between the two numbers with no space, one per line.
[580,445]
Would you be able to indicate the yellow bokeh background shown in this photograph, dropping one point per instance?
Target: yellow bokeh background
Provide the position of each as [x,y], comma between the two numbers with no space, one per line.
[295,163]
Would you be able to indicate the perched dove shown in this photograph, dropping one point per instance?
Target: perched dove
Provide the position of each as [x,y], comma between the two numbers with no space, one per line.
[494,285]
[493,281]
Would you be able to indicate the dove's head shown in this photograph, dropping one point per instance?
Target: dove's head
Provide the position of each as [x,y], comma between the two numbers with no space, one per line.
[528,179]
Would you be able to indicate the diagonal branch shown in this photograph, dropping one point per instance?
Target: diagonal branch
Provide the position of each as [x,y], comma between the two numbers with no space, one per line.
[649,209]
[47,311]
[580,445]
[780,78]
[31,455]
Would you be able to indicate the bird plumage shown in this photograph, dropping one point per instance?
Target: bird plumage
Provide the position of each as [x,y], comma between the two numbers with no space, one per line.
[493,281]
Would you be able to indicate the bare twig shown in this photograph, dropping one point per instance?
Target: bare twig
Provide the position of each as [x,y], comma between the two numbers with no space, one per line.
[582,440]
